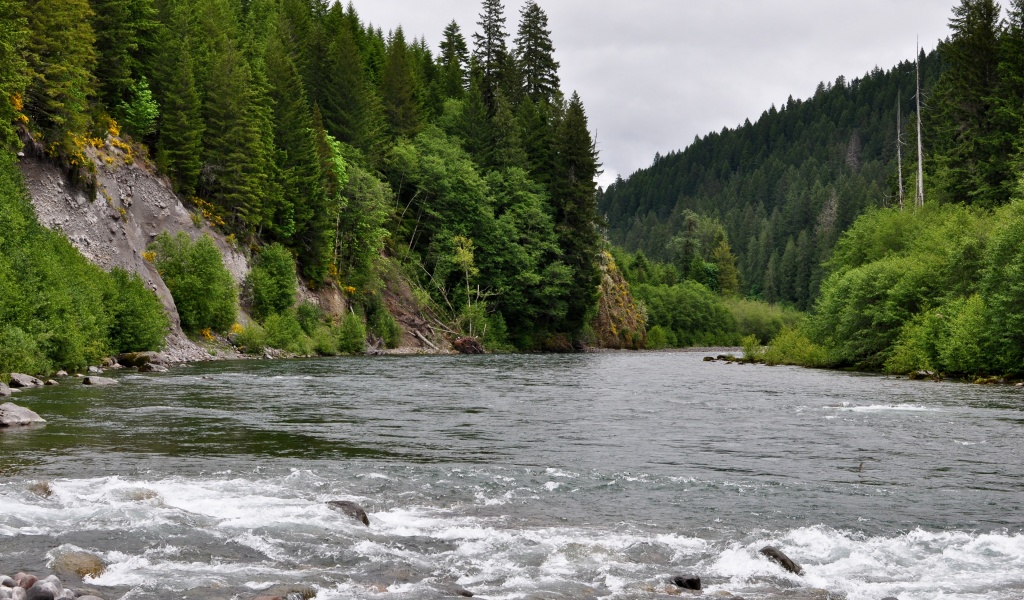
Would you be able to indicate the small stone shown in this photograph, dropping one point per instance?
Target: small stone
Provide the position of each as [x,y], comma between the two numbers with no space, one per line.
[151,368]
[25,581]
[18,593]
[99,381]
[351,509]
[43,590]
[41,489]
[95,370]
[1021,384]
[78,564]
[51,382]
[4,390]
[6,582]
[89,597]
[61,373]
[709,359]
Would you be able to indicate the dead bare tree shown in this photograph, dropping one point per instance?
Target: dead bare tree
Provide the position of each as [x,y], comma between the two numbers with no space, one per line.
[920,145]
[899,148]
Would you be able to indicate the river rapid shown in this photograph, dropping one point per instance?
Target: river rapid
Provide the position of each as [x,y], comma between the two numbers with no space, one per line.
[522,477]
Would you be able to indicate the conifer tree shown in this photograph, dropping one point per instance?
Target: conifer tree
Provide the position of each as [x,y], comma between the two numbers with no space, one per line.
[507,131]
[179,149]
[475,123]
[124,34]
[1010,101]
[453,62]
[61,58]
[398,90]
[491,49]
[535,54]
[13,36]
[573,198]
[342,91]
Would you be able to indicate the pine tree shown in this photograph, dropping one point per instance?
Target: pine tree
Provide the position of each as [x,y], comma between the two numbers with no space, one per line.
[13,36]
[342,90]
[1010,98]
[61,58]
[179,148]
[398,90]
[125,30]
[491,49]
[453,62]
[576,220]
[535,54]
[507,131]
[970,148]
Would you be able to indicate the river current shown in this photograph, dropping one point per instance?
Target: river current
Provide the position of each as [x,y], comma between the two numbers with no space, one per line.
[522,477]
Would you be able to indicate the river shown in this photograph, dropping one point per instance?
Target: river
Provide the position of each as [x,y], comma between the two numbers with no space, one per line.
[522,477]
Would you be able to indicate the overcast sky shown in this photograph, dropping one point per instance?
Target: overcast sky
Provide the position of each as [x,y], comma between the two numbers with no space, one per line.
[655,73]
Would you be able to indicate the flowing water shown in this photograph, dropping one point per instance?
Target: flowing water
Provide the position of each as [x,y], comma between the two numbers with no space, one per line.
[540,477]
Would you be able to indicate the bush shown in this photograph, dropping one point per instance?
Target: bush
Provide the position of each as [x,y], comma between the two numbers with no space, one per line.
[285,333]
[19,353]
[352,335]
[753,351]
[386,327]
[271,286]
[310,316]
[760,319]
[793,347]
[202,287]
[252,339]
[656,338]
[139,322]
[695,315]
[325,341]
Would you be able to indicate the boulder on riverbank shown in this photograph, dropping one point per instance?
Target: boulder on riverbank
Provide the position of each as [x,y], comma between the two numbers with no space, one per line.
[351,509]
[20,380]
[778,557]
[4,390]
[12,415]
[93,380]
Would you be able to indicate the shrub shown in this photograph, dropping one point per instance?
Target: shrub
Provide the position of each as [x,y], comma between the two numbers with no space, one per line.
[202,287]
[252,339]
[285,333]
[271,284]
[352,335]
[761,319]
[310,316]
[656,338]
[139,322]
[753,351]
[325,341]
[793,347]
[19,353]
[386,327]
[695,315]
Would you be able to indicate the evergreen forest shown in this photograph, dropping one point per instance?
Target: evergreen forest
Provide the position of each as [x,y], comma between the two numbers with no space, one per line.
[327,148]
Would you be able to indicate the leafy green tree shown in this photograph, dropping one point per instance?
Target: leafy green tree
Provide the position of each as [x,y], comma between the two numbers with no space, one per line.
[535,54]
[125,32]
[138,321]
[203,289]
[271,284]
[141,114]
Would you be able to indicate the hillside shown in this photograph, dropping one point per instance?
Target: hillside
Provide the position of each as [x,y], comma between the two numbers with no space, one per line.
[784,187]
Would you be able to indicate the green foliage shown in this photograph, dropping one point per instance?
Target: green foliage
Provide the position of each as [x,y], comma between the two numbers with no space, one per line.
[284,332]
[693,313]
[252,339]
[140,115]
[13,68]
[138,321]
[657,338]
[753,348]
[383,325]
[310,316]
[270,287]
[762,320]
[793,347]
[202,287]
[352,335]
[20,353]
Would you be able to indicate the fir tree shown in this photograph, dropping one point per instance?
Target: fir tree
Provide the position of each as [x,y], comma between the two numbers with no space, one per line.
[124,34]
[179,149]
[507,147]
[453,62]
[13,36]
[491,49]
[61,58]
[576,221]
[342,92]
[398,90]
[535,54]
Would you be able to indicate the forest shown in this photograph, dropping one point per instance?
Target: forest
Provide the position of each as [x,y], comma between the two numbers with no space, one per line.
[341,151]
[814,208]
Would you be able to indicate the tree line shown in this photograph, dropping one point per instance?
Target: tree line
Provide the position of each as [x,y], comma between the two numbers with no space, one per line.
[293,122]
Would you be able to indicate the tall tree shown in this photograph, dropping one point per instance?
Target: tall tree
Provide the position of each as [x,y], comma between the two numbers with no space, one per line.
[179,146]
[341,90]
[13,36]
[573,194]
[491,49]
[970,148]
[398,89]
[61,57]
[535,54]
[125,31]
[454,62]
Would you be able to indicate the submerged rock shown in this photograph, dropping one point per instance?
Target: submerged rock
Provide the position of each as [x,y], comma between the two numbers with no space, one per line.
[778,557]
[41,489]
[93,380]
[351,509]
[151,368]
[78,564]
[12,415]
[687,583]
[20,380]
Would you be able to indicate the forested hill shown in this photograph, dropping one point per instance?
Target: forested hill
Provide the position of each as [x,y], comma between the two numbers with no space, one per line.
[784,187]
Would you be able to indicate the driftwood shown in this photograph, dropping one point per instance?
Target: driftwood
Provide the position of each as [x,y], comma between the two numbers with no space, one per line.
[423,339]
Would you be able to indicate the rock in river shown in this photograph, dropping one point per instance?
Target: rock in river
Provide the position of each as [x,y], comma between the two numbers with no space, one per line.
[351,509]
[12,415]
[78,564]
[775,555]
[687,583]
[93,380]
[4,390]
[20,380]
